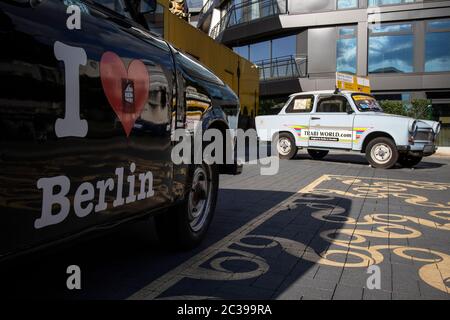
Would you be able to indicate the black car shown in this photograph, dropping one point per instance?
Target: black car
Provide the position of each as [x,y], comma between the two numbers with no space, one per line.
[87,117]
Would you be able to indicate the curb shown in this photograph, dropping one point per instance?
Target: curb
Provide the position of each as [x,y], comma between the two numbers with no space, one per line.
[442,152]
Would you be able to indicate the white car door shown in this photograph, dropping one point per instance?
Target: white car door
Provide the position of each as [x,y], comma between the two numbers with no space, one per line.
[331,125]
[297,115]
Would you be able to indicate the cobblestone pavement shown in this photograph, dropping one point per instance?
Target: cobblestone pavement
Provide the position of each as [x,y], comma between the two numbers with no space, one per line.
[310,232]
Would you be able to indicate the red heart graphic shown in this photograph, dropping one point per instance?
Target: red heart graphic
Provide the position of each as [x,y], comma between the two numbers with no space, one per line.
[127,92]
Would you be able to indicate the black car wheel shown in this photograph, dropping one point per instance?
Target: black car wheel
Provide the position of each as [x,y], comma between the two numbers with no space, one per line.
[185,226]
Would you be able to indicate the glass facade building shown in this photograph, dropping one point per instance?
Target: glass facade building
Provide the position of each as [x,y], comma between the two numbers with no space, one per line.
[347,4]
[437,46]
[403,46]
[374,3]
[391,48]
[269,49]
[346,52]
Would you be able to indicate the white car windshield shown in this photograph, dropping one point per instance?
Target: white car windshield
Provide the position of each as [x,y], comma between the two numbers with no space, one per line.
[366,103]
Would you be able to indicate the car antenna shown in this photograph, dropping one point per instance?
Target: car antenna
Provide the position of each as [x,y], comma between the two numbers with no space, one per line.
[336,91]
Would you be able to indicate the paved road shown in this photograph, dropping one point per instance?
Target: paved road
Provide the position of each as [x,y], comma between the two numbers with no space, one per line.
[310,232]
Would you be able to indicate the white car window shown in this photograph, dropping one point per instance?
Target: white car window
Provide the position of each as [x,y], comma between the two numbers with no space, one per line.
[333,104]
[366,103]
[301,104]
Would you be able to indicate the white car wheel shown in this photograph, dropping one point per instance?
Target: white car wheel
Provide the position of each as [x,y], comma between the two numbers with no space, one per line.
[382,153]
[284,146]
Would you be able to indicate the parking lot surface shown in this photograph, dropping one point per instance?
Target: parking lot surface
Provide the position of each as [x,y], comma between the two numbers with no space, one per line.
[312,231]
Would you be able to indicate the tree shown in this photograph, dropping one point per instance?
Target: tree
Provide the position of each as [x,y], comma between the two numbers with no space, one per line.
[421,109]
[418,109]
[393,107]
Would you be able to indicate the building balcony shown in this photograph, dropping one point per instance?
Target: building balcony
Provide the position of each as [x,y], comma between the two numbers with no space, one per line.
[283,68]
[205,16]
[247,12]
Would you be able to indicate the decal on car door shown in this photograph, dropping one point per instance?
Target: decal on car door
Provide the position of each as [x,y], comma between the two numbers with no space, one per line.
[126,90]
[334,134]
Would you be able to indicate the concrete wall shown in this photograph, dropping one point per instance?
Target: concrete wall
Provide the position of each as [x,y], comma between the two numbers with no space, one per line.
[321,55]
[307,6]
[320,36]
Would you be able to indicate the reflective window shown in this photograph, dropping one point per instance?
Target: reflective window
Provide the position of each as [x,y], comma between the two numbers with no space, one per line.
[114,5]
[254,10]
[346,32]
[271,49]
[366,103]
[237,14]
[393,28]
[347,4]
[240,11]
[260,51]
[82,6]
[242,51]
[301,104]
[439,25]
[374,3]
[286,46]
[437,46]
[391,48]
[155,20]
[335,104]
[195,4]
[346,50]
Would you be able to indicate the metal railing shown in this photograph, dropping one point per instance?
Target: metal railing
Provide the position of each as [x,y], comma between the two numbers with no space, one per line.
[286,67]
[206,7]
[204,11]
[248,11]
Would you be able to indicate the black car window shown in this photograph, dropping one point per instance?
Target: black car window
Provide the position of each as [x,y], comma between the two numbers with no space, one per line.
[114,5]
[301,104]
[334,104]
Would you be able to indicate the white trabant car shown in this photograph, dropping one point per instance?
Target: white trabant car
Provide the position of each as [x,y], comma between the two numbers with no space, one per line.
[326,120]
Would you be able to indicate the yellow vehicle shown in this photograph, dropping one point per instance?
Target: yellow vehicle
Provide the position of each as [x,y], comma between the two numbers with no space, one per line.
[238,73]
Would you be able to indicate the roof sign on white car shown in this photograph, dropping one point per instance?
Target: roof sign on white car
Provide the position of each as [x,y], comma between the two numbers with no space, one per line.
[350,82]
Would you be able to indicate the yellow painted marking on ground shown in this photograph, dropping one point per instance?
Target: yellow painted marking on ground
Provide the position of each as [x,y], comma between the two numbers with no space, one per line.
[330,176]
[434,273]
[163,283]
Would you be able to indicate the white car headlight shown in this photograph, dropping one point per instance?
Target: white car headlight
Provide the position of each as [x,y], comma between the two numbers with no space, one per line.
[436,128]
[412,126]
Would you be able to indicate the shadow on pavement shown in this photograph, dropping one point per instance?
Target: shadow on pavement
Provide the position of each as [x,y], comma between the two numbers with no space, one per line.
[361,160]
[116,265]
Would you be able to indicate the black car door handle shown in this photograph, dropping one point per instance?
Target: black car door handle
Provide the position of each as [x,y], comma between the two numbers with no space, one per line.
[315,118]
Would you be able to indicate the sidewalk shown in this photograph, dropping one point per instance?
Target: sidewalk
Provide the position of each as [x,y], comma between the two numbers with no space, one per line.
[443,152]
[313,230]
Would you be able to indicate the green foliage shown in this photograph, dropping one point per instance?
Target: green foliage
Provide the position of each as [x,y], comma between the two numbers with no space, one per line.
[417,109]
[393,107]
[421,109]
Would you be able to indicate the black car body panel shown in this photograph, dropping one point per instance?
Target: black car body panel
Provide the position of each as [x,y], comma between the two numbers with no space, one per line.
[33,97]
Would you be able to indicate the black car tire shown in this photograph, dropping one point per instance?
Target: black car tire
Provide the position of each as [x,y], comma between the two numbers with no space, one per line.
[382,153]
[317,154]
[285,145]
[409,161]
[176,228]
